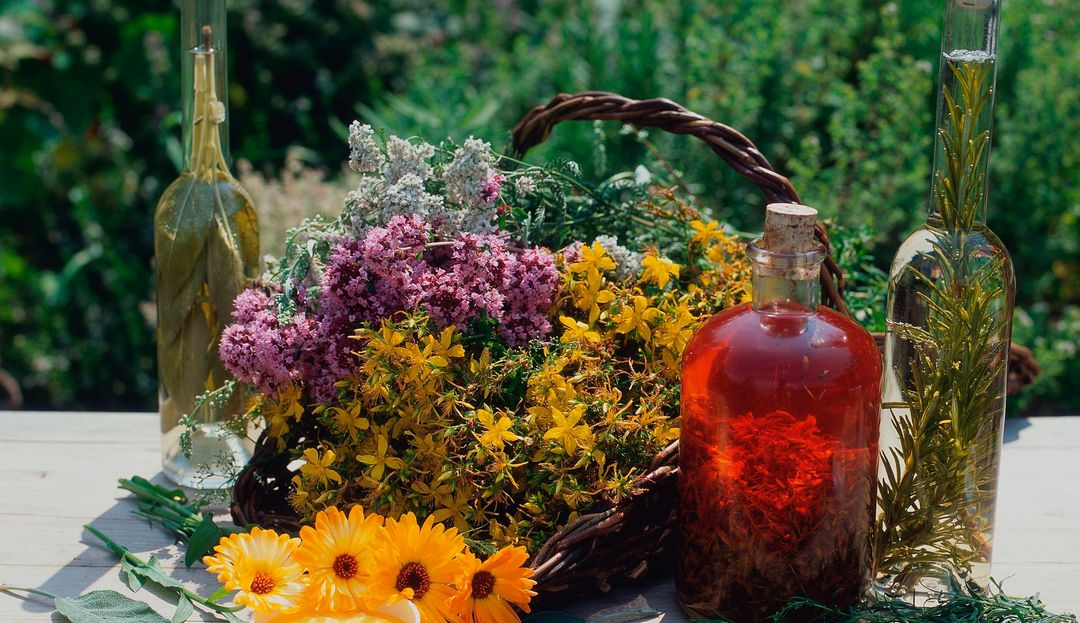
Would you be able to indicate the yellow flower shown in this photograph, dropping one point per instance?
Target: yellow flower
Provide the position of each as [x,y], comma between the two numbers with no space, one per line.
[594,259]
[381,459]
[705,232]
[658,270]
[577,331]
[636,318]
[440,351]
[567,432]
[489,590]
[318,469]
[337,554]
[590,295]
[497,432]
[675,331]
[401,612]
[348,420]
[418,563]
[261,566]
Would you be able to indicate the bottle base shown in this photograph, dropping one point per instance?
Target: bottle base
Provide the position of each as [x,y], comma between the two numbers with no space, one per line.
[217,455]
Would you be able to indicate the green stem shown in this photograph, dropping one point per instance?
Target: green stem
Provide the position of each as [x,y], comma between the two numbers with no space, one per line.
[23,589]
[125,554]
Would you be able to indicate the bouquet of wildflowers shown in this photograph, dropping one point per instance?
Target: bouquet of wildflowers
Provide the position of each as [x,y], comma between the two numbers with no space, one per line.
[489,344]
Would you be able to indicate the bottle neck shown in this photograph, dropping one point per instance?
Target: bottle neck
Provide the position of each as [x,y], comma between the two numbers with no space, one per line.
[784,282]
[205,86]
[965,109]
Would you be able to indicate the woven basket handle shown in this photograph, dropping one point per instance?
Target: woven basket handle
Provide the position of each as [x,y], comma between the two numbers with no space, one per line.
[732,147]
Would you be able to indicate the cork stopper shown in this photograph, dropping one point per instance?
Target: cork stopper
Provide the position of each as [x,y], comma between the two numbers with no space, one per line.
[789,228]
[788,250]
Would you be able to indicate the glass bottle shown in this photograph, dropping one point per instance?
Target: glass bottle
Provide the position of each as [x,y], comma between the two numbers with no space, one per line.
[777,458]
[206,250]
[951,291]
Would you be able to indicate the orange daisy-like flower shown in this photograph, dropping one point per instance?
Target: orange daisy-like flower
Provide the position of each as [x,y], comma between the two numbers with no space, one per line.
[489,590]
[261,567]
[419,563]
[336,554]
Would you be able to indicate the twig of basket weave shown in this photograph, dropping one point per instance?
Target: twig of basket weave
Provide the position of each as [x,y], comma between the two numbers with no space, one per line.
[728,143]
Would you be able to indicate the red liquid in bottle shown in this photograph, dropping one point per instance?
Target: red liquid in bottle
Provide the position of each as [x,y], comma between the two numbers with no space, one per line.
[778,461]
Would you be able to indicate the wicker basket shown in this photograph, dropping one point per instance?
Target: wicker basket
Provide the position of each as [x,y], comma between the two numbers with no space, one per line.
[624,541]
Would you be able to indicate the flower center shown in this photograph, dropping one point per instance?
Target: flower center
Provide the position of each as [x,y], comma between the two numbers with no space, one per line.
[413,575]
[345,566]
[262,583]
[483,584]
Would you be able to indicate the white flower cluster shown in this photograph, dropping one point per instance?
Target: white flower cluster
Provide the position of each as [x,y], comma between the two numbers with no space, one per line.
[627,262]
[466,175]
[398,181]
[524,185]
[364,155]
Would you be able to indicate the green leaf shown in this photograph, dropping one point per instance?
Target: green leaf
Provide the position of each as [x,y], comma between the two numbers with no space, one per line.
[106,607]
[202,540]
[134,580]
[184,609]
[218,594]
[154,573]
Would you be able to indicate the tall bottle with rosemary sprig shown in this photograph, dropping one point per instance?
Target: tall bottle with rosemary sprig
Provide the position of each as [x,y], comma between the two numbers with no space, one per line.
[206,250]
[951,292]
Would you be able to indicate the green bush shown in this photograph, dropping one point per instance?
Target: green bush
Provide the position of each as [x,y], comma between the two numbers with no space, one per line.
[837,94]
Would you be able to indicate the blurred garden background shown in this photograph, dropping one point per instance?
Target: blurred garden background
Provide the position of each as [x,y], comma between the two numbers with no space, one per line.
[839,94]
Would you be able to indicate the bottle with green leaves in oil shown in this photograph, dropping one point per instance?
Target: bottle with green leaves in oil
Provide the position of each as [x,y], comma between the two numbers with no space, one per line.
[951,291]
[206,250]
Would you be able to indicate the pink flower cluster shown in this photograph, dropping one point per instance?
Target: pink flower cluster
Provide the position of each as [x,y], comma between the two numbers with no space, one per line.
[390,269]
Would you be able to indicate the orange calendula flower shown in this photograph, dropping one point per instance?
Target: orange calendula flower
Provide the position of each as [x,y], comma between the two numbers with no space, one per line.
[420,564]
[261,567]
[489,590]
[337,554]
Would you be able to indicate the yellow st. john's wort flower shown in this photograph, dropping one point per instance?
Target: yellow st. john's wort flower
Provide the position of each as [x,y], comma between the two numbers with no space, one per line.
[337,555]
[704,233]
[261,566]
[496,432]
[577,331]
[568,432]
[380,459]
[635,318]
[318,469]
[594,260]
[489,590]
[590,294]
[658,270]
[420,564]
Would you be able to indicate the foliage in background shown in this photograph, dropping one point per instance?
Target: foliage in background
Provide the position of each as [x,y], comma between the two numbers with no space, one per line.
[838,94]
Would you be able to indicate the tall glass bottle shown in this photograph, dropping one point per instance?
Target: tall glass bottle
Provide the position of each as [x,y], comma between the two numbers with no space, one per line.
[950,306]
[777,455]
[206,250]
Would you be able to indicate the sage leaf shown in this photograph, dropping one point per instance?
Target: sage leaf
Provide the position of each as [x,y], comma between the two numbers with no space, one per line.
[206,536]
[184,609]
[134,580]
[153,572]
[106,607]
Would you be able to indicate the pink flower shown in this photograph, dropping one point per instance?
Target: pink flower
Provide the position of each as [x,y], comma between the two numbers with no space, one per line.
[489,192]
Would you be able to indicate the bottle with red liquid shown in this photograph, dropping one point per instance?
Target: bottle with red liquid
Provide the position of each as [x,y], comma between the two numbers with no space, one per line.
[778,452]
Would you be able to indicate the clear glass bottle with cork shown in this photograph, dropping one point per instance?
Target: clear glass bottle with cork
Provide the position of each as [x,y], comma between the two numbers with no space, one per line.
[778,450]
[206,251]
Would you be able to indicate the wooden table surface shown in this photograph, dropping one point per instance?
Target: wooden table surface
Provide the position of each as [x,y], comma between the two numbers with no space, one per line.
[58,471]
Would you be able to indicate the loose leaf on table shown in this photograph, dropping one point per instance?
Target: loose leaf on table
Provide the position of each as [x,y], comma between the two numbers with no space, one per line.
[184,609]
[205,537]
[106,607]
